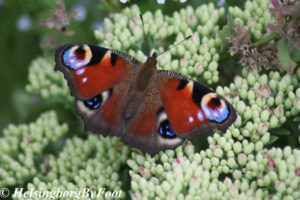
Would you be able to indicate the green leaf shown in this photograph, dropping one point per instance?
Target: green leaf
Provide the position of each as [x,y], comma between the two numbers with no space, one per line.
[295,54]
[227,30]
[272,139]
[294,126]
[285,59]
[280,131]
[296,119]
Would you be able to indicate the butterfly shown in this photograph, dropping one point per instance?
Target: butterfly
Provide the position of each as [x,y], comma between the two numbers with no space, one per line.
[153,110]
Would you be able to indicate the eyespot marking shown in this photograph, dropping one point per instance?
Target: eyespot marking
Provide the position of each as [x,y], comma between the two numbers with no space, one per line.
[199,91]
[165,130]
[97,101]
[77,56]
[214,108]
[164,127]
[80,53]
[94,103]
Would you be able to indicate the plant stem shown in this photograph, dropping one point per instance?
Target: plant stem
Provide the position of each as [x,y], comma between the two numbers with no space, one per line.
[267,39]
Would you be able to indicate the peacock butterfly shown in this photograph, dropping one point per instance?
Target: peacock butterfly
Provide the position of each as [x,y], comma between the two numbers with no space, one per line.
[154,110]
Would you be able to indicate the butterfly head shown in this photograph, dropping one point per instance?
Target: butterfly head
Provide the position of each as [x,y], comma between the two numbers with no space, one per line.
[151,61]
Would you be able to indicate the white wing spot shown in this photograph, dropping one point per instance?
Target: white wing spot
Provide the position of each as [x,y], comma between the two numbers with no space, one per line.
[200,116]
[84,79]
[80,71]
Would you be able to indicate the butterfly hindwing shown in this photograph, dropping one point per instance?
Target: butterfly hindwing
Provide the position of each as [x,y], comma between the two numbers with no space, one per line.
[101,114]
[148,129]
[99,80]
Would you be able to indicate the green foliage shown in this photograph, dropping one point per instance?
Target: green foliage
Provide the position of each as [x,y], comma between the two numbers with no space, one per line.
[285,59]
[257,158]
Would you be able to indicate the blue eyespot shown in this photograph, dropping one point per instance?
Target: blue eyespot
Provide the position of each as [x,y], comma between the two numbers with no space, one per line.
[218,114]
[74,59]
[165,129]
[94,102]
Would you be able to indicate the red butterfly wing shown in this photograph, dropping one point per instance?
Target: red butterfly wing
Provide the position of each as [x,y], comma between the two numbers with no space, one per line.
[99,80]
[91,70]
[191,107]
[176,107]
[143,130]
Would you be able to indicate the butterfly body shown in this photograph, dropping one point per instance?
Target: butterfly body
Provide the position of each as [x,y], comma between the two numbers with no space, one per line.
[152,109]
[140,87]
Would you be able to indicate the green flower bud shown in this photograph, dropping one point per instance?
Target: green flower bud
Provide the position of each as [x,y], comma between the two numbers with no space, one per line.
[251,95]
[265,138]
[297,104]
[241,107]
[251,79]
[263,127]
[215,161]
[298,92]
[280,186]
[282,86]
[232,163]
[242,159]
[276,76]
[288,103]
[274,122]
[206,163]
[270,101]
[237,147]
[258,146]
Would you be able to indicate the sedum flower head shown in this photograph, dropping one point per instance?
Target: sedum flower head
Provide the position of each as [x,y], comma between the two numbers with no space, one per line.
[187,174]
[92,163]
[46,82]
[195,57]
[254,17]
[22,146]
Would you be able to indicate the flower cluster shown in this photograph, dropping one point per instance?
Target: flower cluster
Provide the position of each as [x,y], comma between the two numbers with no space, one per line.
[252,56]
[91,163]
[61,18]
[268,101]
[195,57]
[226,170]
[254,17]
[286,14]
[281,54]
[22,148]
[46,82]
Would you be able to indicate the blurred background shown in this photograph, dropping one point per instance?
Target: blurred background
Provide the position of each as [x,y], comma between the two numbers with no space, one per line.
[28,29]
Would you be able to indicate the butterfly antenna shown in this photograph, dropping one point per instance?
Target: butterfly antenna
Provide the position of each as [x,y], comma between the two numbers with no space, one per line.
[188,37]
[144,33]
